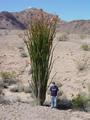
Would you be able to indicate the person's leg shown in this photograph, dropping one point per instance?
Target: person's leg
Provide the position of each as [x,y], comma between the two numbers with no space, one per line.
[52,101]
[55,102]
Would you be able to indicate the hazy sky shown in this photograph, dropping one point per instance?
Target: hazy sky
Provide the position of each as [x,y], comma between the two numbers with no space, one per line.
[66,9]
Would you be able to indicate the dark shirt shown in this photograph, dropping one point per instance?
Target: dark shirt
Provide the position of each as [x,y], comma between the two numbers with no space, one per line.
[54,90]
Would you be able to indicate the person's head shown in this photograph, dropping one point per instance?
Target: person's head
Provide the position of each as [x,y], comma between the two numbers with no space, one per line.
[53,83]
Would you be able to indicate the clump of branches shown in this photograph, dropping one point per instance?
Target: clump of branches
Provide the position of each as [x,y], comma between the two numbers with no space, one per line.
[39,41]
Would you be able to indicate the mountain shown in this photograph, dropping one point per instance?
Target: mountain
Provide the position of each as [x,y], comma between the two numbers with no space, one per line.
[76,26]
[9,21]
[19,20]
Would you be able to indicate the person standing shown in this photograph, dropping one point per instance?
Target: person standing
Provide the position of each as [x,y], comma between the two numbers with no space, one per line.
[54,90]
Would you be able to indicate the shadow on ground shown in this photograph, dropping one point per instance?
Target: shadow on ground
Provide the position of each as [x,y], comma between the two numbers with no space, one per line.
[63,104]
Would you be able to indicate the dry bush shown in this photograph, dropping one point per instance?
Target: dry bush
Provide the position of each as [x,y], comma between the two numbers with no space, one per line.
[85,47]
[78,101]
[82,102]
[82,62]
[8,78]
[7,75]
[63,37]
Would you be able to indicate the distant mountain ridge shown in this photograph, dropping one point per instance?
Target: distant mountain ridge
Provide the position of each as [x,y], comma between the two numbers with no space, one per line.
[9,21]
[19,20]
[76,26]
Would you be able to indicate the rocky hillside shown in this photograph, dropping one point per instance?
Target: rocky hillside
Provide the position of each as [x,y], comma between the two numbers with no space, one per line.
[19,20]
[77,26]
[9,21]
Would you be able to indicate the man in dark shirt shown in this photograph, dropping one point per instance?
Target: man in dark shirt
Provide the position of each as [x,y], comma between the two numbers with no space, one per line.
[54,90]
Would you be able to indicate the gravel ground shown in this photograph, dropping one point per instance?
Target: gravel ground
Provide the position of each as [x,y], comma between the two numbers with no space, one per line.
[23,111]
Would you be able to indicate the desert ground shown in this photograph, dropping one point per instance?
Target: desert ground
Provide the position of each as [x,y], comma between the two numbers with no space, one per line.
[71,65]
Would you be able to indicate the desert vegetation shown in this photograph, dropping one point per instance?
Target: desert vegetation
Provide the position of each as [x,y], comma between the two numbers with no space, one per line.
[85,47]
[82,101]
[8,78]
[63,37]
[39,42]
[82,62]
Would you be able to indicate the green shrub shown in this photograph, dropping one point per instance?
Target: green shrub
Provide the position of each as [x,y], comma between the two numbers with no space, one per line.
[8,78]
[85,47]
[39,41]
[7,75]
[77,102]
[80,101]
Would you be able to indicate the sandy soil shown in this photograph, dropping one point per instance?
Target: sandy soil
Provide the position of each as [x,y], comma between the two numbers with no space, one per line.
[22,111]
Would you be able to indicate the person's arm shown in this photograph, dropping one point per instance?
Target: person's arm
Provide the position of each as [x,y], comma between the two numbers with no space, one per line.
[57,89]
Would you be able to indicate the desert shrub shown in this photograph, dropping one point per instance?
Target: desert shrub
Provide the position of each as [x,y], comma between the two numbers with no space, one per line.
[82,102]
[7,75]
[39,41]
[85,47]
[8,78]
[63,37]
[78,102]
[81,62]
[87,104]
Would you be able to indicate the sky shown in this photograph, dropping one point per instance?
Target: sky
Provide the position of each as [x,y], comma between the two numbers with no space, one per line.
[66,9]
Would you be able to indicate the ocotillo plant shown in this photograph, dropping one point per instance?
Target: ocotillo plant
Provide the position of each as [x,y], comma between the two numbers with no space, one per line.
[39,42]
